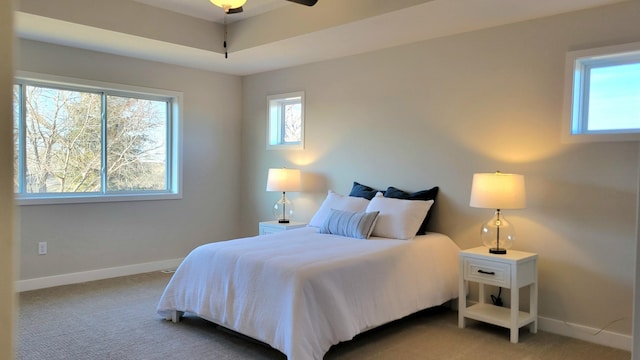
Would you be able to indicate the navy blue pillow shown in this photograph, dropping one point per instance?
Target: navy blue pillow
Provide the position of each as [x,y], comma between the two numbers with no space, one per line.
[423,195]
[363,191]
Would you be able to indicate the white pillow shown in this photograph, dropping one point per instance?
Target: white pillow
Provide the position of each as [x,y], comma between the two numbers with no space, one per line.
[338,202]
[398,218]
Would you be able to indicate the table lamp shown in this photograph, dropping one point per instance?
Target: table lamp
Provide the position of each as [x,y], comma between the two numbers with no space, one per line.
[497,191]
[283,180]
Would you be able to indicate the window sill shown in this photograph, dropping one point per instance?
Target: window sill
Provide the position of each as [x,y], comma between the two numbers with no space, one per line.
[583,138]
[51,200]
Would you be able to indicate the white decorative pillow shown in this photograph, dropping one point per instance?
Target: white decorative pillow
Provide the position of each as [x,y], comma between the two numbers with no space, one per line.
[338,202]
[398,218]
[351,224]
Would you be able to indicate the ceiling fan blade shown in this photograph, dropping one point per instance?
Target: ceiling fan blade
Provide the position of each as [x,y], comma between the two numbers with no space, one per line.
[305,2]
[235,10]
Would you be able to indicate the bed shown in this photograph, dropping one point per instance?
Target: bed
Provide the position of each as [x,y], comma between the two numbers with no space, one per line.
[303,290]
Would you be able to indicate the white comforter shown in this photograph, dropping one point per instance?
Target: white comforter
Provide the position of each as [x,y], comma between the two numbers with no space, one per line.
[302,292]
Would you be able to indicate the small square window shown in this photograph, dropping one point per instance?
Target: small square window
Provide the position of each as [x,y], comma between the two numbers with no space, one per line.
[614,98]
[285,121]
[602,94]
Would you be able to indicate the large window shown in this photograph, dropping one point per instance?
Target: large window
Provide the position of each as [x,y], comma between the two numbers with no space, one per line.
[602,100]
[77,141]
[286,121]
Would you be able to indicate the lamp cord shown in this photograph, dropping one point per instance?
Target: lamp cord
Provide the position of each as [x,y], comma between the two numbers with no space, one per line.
[498,229]
[284,204]
[496,299]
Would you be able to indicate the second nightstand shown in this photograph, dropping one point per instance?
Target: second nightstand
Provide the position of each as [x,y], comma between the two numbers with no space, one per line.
[270,227]
[513,270]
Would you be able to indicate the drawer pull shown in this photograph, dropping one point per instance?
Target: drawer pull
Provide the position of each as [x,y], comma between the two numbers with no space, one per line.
[486,272]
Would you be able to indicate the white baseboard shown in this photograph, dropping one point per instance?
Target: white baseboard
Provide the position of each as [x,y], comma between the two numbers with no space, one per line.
[581,332]
[99,274]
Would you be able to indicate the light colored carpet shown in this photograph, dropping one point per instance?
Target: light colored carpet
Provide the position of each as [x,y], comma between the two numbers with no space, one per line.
[116,319]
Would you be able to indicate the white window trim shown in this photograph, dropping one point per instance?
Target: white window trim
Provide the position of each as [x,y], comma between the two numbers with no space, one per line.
[296,146]
[176,151]
[573,86]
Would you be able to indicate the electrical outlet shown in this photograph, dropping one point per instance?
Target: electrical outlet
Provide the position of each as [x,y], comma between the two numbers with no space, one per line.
[42,248]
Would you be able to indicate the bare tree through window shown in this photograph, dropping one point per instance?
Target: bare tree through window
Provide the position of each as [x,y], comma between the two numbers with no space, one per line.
[89,142]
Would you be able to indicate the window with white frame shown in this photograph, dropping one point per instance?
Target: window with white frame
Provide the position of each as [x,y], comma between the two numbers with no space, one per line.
[286,121]
[602,95]
[81,141]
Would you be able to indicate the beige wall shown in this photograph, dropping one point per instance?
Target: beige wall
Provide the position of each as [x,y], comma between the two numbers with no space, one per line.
[435,112]
[84,237]
[6,184]
[413,117]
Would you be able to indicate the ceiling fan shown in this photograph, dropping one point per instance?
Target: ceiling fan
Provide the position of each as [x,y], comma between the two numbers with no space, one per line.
[235,6]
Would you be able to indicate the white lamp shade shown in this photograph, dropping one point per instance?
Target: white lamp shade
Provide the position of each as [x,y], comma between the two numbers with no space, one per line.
[498,191]
[230,4]
[283,180]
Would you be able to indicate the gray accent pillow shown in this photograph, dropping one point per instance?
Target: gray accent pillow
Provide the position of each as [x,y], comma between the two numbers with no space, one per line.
[350,224]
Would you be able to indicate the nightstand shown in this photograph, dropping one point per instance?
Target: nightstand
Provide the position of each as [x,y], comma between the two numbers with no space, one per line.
[270,227]
[513,270]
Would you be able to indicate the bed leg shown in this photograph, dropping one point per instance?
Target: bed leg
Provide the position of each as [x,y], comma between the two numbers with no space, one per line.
[174,316]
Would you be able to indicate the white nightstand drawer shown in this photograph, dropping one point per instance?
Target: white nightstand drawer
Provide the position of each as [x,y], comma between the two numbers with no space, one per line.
[488,272]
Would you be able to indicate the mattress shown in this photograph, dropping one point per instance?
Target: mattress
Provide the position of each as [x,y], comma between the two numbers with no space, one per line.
[301,291]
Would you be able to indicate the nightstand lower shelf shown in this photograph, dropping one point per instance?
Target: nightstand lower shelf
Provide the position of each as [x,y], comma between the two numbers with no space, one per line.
[497,315]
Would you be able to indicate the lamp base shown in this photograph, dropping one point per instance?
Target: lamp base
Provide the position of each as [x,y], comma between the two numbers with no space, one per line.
[283,210]
[500,251]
